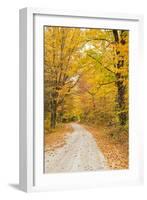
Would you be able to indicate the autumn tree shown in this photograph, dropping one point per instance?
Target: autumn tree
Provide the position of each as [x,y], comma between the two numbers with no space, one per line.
[61,72]
[121,64]
[110,52]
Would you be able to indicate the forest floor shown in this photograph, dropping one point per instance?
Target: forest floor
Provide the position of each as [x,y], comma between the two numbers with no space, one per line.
[115,149]
[56,138]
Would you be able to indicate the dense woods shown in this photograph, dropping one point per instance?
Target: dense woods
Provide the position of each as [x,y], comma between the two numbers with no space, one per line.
[86,77]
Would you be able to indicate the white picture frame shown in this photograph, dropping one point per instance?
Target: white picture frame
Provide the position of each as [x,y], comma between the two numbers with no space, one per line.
[31,102]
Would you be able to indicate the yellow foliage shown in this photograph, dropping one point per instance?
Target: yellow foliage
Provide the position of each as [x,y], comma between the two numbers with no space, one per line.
[84,71]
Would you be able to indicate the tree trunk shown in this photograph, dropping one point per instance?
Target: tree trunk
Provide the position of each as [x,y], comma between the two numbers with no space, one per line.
[122,115]
[61,112]
[53,110]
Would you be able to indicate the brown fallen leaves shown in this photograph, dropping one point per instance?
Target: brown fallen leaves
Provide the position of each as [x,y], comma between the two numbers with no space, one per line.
[56,138]
[114,149]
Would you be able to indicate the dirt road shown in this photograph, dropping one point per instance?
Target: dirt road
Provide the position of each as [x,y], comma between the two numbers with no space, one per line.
[80,153]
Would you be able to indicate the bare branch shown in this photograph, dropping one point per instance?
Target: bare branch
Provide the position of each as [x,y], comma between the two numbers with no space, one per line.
[98,39]
[103,84]
[106,67]
[94,58]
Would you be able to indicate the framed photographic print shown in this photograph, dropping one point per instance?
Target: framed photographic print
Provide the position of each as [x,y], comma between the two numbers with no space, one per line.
[80,102]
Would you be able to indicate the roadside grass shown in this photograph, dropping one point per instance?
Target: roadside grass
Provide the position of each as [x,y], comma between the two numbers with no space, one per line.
[114,144]
[55,138]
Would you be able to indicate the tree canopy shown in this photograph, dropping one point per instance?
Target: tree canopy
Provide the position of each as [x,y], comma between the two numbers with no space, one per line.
[85,76]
